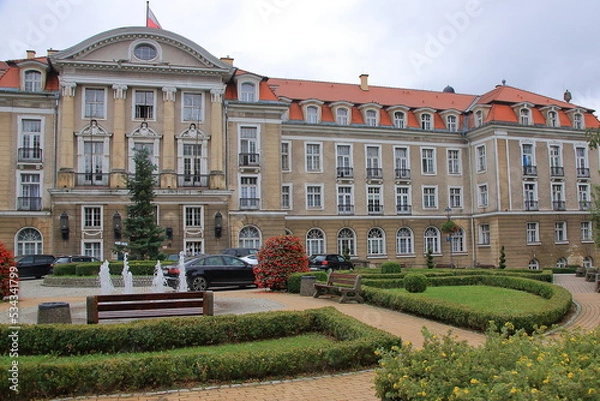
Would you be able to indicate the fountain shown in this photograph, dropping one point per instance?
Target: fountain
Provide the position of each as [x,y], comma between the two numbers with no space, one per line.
[158,282]
[182,287]
[127,277]
[106,284]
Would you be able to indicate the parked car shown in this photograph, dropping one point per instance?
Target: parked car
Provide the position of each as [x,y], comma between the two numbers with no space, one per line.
[239,252]
[330,261]
[207,271]
[35,265]
[251,259]
[74,259]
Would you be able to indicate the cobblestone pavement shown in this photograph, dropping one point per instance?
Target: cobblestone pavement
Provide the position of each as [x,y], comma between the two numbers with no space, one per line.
[357,386]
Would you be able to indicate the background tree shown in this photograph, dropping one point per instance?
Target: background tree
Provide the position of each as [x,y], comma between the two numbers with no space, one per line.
[144,236]
[278,258]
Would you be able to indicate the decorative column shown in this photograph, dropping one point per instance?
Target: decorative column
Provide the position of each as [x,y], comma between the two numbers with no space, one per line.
[119,149]
[168,176]
[66,176]
[217,150]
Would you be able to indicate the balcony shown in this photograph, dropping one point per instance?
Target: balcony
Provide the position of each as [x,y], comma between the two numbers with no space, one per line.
[29,155]
[29,203]
[92,179]
[557,172]
[559,205]
[192,180]
[583,172]
[375,173]
[345,172]
[585,205]
[249,203]
[375,209]
[404,209]
[531,205]
[530,171]
[345,209]
[402,173]
[249,159]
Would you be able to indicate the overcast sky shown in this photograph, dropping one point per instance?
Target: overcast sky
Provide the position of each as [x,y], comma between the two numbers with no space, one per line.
[545,46]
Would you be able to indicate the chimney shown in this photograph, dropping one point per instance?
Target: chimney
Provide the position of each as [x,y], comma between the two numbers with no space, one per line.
[364,81]
[51,51]
[30,54]
[227,59]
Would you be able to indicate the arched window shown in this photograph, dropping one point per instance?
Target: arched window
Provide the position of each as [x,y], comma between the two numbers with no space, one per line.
[375,242]
[561,263]
[371,118]
[29,242]
[552,119]
[451,123]
[432,240]
[478,118]
[312,115]
[426,121]
[525,116]
[399,119]
[588,262]
[249,237]
[315,242]
[578,121]
[33,81]
[457,239]
[346,242]
[341,116]
[248,92]
[534,264]
[404,242]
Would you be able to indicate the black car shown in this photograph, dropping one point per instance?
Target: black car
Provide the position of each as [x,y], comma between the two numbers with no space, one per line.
[207,271]
[239,252]
[35,265]
[329,261]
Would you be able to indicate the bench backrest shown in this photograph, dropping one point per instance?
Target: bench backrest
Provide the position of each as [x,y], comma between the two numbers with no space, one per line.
[343,279]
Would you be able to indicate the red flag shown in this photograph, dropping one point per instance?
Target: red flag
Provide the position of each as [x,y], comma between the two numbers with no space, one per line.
[151,21]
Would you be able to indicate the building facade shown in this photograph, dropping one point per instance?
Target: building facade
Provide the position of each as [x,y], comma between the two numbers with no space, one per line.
[373,172]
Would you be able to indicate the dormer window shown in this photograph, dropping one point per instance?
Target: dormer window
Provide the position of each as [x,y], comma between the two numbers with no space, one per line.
[478,118]
[399,119]
[371,118]
[426,121]
[578,121]
[312,115]
[552,119]
[341,116]
[452,123]
[33,81]
[248,92]
[525,116]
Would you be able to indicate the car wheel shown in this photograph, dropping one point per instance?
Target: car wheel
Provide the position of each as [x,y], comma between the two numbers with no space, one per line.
[199,284]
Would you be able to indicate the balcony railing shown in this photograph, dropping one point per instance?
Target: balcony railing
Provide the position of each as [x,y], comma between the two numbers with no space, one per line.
[375,209]
[32,155]
[531,205]
[96,179]
[583,172]
[29,203]
[192,180]
[530,170]
[557,171]
[585,205]
[559,205]
[374,172]
[402,173]
[249,159]
[249,203]
[345,172]
[404,209]
[345,209]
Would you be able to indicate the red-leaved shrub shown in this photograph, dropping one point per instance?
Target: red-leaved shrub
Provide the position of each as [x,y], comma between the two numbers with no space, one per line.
[6,262]
[278,258]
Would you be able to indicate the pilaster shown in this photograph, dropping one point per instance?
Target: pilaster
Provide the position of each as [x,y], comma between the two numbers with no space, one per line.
[118,158]
[66,177]
[217,150]
[168,171]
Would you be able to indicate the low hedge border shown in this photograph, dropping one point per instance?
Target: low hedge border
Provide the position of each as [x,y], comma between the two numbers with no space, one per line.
[137,268]
[560,301]
[354,349]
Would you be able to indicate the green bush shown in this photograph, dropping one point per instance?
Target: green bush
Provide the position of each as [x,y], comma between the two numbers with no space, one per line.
[415,282]
[508,367]
[390,267]
[67,269]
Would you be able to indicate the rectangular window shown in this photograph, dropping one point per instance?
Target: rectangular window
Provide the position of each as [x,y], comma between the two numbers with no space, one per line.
[286,196]
[555,156]
[453,161]
[344,161]
[455,198]
[144,105]
[193,216]
[285,156]
[194,165]
[403,204]
[429,198]
[558,197]
[374,202]
[481,159]
[560,231]
[249,198]
[528,156]
[530,196]
[313,157]
[92,217]
[373,162]
[533,233]
[92,248]
[345,199]
[314,198]
[586,231]
[482,197]
[584,196]
[30,197]
[95,103]
[484,234]
[93,159]
[428,161]
[249,146]
[192,107]
[341,116]
[31,140]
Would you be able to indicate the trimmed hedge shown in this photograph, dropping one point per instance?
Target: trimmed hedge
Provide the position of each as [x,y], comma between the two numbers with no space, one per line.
[390,267]
[293,284]
[137,268]
[354,348]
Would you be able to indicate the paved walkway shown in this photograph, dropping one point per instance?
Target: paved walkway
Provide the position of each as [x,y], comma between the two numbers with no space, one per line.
[357,386]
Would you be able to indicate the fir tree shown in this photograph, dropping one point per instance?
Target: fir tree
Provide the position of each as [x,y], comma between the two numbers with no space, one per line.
[502,259]
[144,236]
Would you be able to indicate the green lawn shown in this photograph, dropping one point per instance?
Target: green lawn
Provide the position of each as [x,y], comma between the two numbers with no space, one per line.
[484,298]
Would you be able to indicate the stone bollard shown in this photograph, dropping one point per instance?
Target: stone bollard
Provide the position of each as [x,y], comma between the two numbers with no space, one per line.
[54,312]
[307,285]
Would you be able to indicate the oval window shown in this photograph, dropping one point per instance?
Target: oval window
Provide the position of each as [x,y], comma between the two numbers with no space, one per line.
[145,52]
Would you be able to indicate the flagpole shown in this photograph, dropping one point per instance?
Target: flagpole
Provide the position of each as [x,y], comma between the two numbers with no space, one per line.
[147,8]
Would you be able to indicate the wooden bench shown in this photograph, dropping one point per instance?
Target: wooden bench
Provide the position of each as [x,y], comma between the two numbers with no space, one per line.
[346,285]
[137,306]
